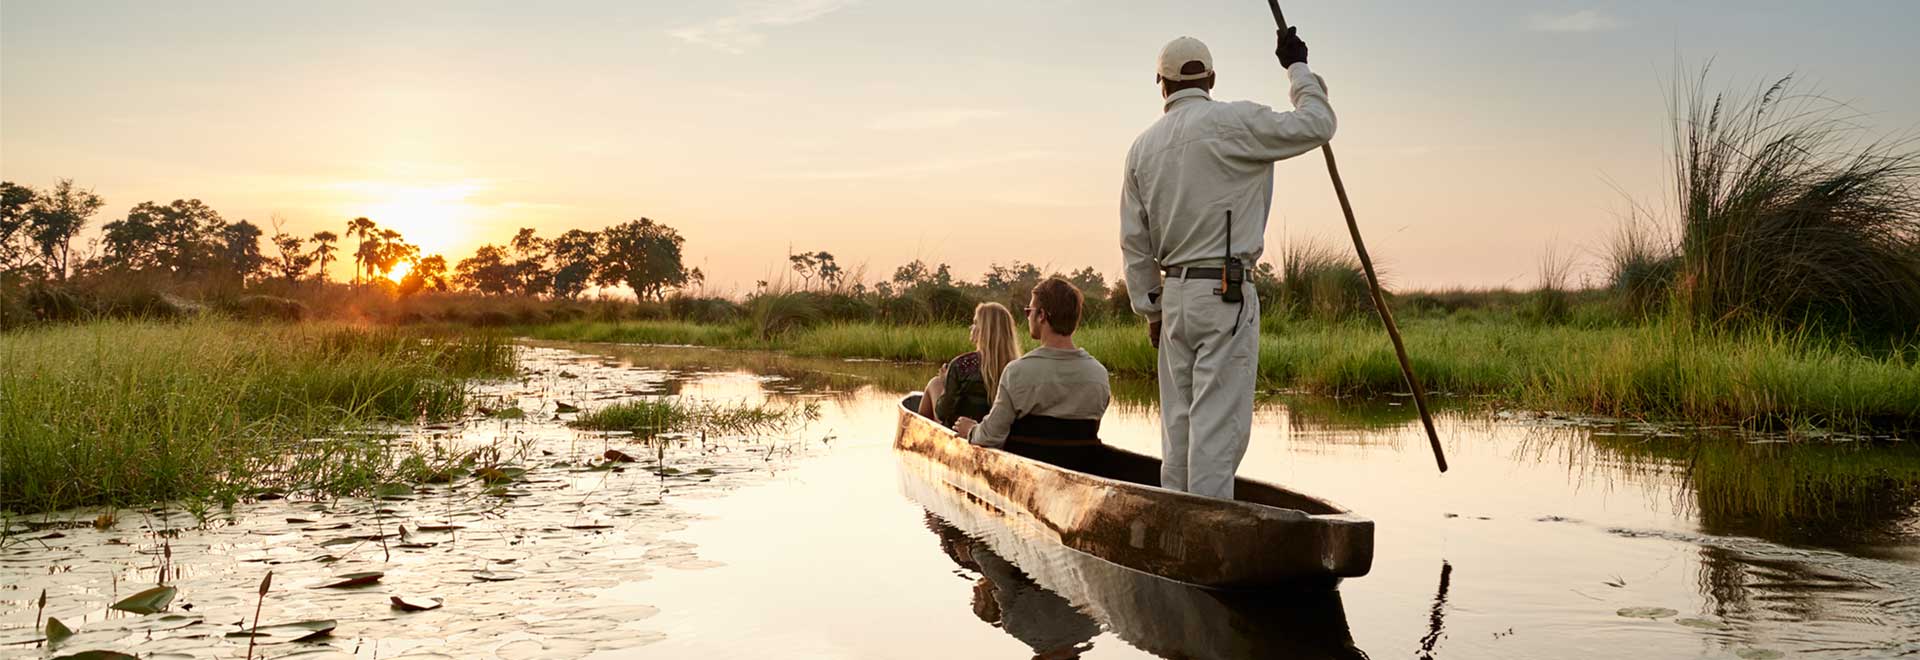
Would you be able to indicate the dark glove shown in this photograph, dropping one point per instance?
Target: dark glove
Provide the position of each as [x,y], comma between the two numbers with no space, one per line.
[1291,49]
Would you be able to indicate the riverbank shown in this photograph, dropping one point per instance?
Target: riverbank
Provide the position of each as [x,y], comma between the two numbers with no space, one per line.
[1656,371]
[119,413]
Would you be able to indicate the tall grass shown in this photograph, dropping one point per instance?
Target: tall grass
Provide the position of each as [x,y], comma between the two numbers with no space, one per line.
[650,417]
[1669,369]
[128,412]
[1323,283]
[1786,216]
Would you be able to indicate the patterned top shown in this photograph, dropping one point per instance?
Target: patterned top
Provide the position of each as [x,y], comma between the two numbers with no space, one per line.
[966,391]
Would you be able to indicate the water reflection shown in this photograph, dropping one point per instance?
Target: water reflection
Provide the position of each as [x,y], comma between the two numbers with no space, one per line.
[1059,596]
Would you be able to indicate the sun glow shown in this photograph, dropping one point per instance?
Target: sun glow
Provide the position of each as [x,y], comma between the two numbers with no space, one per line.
[400,271]
[438,218]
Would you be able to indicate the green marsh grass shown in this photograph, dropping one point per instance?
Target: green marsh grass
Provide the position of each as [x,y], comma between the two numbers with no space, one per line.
[119,413]
[649,417]
[1661,369]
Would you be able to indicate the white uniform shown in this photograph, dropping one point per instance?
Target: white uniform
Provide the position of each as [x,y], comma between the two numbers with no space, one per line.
[1199,161]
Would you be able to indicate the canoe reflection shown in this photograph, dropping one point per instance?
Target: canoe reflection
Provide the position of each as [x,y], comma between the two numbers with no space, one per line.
[1006,598]
[1055,599]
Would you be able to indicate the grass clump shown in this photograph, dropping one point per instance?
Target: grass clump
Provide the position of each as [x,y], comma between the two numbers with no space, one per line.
[651,417]
[1785,217]
[119,413]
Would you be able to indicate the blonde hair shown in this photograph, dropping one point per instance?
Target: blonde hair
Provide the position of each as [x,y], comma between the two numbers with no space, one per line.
[997,341]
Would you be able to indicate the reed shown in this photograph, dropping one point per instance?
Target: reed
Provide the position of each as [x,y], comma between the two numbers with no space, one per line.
[122,413]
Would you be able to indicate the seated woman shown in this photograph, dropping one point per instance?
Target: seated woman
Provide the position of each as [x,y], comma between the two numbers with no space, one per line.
[966,385]
[1050,401]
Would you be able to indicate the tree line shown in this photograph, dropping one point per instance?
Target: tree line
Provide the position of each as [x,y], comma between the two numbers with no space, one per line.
[189,241]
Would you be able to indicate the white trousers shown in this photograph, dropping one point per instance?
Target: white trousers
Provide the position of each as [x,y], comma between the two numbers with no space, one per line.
[1207,373]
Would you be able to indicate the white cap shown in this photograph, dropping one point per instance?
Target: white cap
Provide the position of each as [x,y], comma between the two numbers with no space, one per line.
[1179,53]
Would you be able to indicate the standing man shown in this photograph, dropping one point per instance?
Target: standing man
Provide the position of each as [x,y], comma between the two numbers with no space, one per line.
[1193,219]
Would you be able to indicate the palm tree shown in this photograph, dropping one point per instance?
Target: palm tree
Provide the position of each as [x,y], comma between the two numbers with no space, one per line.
[323,250]
[362,228]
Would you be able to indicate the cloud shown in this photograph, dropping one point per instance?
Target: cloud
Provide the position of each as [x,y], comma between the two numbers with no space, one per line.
[1585,20]
[746,29]
[928,119]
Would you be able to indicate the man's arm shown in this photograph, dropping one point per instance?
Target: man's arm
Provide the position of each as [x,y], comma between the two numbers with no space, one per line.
[992,431]
[1282,135]
[1136,247]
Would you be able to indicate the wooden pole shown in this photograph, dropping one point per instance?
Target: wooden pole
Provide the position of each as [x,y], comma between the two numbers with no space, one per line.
[1373,286]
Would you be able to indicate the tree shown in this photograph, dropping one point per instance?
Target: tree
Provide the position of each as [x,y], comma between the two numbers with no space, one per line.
[53,218]
[323,251]
[289,263]
[181,239]
[643,255]
[14,201]
[487,271]
[237,253]
[573,253]
[817,265]
[530,274]
[1091,283]
[427,274]
[389,250]
[368,250]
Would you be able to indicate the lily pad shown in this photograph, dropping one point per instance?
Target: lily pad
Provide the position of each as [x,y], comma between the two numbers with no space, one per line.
[560,407]
[1646,612]
[416,603]
[57,632]
[291,632]
[1703,624]
[353,580]
[496,576]
[147,602]
[97,655]
[509,413]
[617,456]
[1759,654]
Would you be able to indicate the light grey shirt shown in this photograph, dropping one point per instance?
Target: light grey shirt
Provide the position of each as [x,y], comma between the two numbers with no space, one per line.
[1068,384]
[1202,159]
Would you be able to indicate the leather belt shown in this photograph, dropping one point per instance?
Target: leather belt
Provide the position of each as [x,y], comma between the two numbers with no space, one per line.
[1176,272]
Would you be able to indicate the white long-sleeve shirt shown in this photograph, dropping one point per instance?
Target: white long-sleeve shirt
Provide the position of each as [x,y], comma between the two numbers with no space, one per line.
[1200,160]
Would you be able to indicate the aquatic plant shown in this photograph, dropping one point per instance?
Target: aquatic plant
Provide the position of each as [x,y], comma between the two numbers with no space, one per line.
[1786,216]
[130,412]
[650,417]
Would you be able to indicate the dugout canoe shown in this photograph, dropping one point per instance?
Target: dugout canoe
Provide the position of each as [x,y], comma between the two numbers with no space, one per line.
[1267,536]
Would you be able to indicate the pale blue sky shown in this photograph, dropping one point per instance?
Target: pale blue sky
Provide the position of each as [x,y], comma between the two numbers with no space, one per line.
[1473,136]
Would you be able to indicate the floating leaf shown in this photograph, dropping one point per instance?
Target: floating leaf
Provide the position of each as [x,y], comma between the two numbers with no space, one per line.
[617,456]
[353,580]
[97,655]
[1703,624]
[508,413]
[439,528]
[416,603]
[565,408]
[1646,612]
[1759,654]
[57,632]
[496,576]
[147,602]
[291,632]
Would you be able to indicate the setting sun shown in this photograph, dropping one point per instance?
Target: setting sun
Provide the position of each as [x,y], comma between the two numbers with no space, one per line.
[400,271]
[433,217]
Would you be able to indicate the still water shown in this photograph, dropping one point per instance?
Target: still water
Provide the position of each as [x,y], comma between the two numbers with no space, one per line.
[1549,538]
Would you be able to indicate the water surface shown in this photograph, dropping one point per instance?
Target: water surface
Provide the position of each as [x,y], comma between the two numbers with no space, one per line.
[1550,538]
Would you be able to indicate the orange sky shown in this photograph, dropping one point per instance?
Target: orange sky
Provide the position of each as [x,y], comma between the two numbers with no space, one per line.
[1473,140]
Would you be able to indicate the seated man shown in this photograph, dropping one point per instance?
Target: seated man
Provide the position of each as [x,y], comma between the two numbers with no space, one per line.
[1050,401]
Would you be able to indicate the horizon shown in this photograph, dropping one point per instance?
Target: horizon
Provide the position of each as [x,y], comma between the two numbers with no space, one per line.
[766,128]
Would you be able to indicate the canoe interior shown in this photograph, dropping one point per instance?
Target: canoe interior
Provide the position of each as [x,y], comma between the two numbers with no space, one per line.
[1122,465]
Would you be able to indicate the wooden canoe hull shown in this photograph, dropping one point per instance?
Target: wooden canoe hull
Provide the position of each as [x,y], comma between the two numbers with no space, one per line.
[1268,536]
